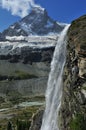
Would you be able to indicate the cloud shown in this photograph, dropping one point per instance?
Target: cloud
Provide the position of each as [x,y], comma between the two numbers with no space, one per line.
[18,7]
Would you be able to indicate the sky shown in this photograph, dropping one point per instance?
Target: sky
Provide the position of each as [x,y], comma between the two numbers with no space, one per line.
[60,10]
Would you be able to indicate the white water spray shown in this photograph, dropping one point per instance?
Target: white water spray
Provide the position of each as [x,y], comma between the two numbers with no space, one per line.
[54,89]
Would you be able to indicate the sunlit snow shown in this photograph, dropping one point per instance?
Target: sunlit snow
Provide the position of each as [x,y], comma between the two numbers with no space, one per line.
[14,42]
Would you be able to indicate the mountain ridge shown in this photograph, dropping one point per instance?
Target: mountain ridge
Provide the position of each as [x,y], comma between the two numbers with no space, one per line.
[36,23]
[36,30]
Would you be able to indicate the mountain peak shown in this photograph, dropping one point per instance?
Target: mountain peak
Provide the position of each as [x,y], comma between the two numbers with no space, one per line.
[36,23]
[38,9]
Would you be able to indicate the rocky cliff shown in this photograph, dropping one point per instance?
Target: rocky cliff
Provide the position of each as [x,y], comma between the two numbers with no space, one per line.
[73,109]
[72,115]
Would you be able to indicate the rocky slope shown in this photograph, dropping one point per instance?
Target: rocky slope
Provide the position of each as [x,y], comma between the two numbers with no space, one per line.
[73,109]
[25,69]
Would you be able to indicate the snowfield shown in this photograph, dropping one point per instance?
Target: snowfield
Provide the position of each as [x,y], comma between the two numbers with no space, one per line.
[14,42]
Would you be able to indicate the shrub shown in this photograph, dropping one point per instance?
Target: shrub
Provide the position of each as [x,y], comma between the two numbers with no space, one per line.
[78,122]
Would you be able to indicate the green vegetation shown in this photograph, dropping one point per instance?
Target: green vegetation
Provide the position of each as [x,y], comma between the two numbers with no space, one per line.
[17,75]
[3,124]
[37,98]
[1,100]
[9,126]
[20,120]
[20,117]
[84,86]
[14,97]
[80,22]
[77,32]
[24,75]
[23,125]
[78,122]
[23,117]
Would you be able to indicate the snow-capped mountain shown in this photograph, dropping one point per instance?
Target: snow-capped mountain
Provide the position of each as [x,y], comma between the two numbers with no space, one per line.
[36,23]
[37,30]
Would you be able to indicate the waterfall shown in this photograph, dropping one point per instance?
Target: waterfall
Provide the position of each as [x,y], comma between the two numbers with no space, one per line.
[54,87]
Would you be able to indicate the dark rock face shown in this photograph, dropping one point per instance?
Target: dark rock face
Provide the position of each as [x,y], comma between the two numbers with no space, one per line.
[37,55]
[13,31]
[73,109]
[77,39]
[37,120]
[77,34]
[2,37]
[28,55]
[37,22]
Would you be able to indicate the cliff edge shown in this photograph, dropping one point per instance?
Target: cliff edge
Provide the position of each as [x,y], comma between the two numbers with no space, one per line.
[73,109]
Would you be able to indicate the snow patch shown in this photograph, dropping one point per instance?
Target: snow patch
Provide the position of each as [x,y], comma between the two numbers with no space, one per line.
[62,24]
[30,41]
[12,26]
[26,28]
[15,38]
[18,30]
[38,9]
[49,24]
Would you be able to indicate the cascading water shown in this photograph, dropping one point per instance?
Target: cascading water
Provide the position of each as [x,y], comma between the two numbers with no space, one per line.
[54,89]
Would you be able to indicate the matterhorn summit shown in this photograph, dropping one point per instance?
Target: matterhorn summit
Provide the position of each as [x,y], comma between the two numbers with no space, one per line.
[36,30]
[36,23]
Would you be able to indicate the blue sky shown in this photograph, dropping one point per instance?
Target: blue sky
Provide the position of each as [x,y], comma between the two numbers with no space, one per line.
[60,10]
